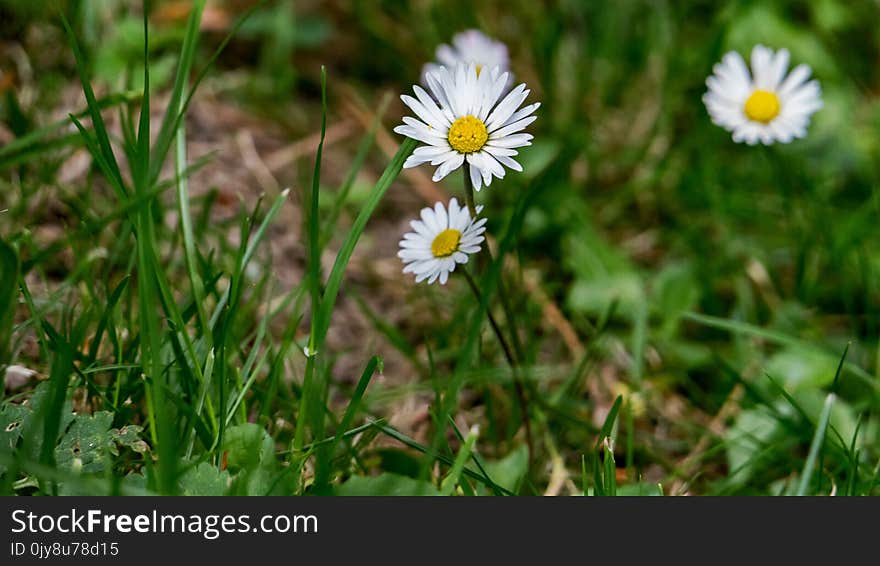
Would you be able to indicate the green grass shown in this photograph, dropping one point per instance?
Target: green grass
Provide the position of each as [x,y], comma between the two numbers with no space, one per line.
[684,314]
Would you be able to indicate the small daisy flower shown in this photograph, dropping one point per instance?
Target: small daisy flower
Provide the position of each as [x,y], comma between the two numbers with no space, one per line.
[765,105]
[470,46]
[468,119]
[442,239]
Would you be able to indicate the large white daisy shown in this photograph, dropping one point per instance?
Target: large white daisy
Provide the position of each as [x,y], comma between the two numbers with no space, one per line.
[471,46]
[764,105]
[468,119]
[442,239]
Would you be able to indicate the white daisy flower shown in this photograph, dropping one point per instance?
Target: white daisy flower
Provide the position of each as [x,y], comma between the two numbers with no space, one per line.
[764,105]
[442,239]
[470,46]
[467,119]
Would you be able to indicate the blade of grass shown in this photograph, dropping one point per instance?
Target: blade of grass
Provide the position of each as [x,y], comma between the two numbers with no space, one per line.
[102,138]
[610,468]
[163,143]
[427,451]
[9,271]
[584,475]
[834,389]
[476,457]
[206,382]
[321,317]
[313,393]
[374,365]
[313,220]
[356,164]
[334,280]
[151,327]
[816,445]
[605,432]
[171,123]
[447,487]
[186,228]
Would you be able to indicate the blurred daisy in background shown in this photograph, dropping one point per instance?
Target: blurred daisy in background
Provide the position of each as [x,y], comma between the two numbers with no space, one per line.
[442,239]
[471,46]
[468,119]
[765,105]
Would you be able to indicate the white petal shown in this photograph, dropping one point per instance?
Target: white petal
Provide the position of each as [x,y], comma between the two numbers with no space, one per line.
[511,128]
[452,163]
[735,73]
[509,162]
[429,217]
[496,151]
[761,58]
[415,161]
[796,78]
[778,66]
[491,165]
[507,107]
[511,141]
[430,151]
[476,177]
[523,112]
[412,255]
[442,217]
[428,116]
[423,134]
[431,106]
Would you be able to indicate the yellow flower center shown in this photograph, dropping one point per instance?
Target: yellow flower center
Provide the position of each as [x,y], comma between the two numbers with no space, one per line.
[446,243]
[467,134]
[762,106]
[479,69]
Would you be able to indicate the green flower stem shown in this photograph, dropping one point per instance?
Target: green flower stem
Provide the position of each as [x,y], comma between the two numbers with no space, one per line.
[492,321]
[517,379]
[469,191]
[502,293]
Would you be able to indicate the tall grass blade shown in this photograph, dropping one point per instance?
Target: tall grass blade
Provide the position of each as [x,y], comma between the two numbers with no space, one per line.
[816,445]
[447,487]
[9,269]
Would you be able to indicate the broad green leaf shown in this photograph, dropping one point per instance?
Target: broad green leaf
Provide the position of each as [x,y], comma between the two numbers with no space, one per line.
[248,447]
[509,471]
[128,436]
[603,274]
[87,445]
[205,479]
[11,420]
[594,295]
[801,367]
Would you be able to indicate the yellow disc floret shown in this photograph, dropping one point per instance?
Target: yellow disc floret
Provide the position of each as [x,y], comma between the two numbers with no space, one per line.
[467,134]
[446,243]
[762,106]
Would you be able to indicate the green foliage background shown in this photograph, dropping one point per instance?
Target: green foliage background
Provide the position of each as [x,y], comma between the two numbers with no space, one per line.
[715,287]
